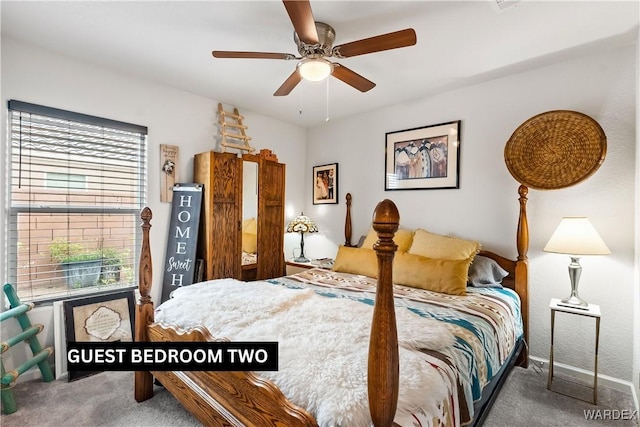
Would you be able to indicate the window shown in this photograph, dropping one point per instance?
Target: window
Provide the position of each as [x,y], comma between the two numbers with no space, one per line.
[65,180]
[78,183]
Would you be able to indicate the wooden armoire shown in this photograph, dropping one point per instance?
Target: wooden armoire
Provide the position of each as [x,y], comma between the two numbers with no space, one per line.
[220,233]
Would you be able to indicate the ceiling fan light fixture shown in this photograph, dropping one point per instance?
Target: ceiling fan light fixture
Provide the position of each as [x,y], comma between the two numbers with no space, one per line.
[315,69]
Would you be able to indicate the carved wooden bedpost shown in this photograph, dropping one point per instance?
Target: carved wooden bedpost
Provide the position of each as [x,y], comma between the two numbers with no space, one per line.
[383,371]
[347,223]
[522,270]
[144,308]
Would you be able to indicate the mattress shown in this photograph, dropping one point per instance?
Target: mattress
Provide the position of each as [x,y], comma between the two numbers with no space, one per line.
[484,326]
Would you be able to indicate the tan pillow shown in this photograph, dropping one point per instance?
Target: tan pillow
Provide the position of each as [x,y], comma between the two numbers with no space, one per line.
[249,242]
[361,261]
[402,238]
[446,276]
[250,226]
[250,235]
[432,245]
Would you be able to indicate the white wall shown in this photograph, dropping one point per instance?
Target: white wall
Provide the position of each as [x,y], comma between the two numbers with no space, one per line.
[172,116]
[486,207]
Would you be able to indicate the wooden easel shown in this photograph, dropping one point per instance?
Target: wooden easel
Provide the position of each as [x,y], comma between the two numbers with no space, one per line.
[236,124]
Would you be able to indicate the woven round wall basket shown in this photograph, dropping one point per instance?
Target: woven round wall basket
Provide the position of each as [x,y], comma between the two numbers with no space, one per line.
[555,149]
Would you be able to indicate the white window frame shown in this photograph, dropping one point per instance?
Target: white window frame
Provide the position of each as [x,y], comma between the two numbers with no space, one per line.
[136,155]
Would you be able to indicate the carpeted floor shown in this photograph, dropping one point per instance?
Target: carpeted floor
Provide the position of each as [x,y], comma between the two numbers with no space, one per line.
[525,401]
[106,399]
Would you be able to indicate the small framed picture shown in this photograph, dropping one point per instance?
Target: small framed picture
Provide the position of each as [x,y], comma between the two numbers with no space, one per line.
[102,318]
[169,171]
[423,158]
[325,184]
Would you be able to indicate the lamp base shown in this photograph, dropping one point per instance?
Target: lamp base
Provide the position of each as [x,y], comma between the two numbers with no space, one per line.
[574,275]
[301,259]
[575,300]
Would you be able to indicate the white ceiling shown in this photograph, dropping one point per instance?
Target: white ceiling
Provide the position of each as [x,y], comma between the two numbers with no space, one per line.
[459,43]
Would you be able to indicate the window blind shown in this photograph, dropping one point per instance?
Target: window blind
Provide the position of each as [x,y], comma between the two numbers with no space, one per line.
[78,183]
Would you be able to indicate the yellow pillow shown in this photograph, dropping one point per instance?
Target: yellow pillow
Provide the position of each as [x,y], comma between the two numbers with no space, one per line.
[356,261]
[402,238]
[432,245]
[250,226]
[249,242]
[447,276]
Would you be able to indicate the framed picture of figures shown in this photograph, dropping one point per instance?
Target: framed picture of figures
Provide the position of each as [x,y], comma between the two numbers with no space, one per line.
[325,184]
[423,158]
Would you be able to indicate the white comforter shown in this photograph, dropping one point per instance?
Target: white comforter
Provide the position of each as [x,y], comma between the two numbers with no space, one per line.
[323,344]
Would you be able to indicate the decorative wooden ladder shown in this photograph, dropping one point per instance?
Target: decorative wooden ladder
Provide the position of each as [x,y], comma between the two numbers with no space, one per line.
[236,124]
[28,334]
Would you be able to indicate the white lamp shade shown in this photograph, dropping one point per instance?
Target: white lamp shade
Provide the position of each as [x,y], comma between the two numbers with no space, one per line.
[315,70]
[576,236]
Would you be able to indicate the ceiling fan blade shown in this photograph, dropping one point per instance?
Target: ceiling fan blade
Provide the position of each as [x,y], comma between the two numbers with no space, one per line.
[302,19]
[352,78]
[402,38]
[251,55]
[288,85]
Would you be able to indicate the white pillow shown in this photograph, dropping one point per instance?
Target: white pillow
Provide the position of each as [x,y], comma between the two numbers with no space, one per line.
[486,273]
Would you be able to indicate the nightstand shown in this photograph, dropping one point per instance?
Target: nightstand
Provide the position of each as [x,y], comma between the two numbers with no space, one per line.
[294,267]
[591,311]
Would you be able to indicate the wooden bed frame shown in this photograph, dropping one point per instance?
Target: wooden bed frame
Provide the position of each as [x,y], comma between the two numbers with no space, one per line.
[243,399]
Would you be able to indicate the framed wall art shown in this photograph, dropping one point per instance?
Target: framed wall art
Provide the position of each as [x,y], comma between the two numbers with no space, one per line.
[168,171]
[423,158]
[102,318]
[325,184]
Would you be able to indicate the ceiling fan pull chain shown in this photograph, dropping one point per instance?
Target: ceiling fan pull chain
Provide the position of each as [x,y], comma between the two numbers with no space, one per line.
[300,100]
[327,117]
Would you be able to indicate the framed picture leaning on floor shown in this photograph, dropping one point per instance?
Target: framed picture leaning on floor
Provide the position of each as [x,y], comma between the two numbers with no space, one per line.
[102,318]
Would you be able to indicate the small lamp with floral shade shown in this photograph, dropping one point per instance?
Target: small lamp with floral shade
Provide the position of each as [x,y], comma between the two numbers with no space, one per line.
[302,224]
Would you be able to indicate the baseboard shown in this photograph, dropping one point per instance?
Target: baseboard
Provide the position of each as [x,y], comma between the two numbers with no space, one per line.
[587,376]
[30,375]
[35,374]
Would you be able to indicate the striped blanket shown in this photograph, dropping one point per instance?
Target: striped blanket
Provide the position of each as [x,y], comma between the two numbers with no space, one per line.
[485,325]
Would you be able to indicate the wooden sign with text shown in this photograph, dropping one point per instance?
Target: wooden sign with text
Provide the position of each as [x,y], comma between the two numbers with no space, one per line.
[180,258]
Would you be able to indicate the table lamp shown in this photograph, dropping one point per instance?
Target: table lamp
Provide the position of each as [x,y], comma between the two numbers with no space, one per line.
[302,224]
[576,236]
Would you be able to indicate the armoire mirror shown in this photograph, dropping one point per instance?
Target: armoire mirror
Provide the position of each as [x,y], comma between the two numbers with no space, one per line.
[249,218]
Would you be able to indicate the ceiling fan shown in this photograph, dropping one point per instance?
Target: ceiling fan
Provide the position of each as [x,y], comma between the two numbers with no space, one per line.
[315,44]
